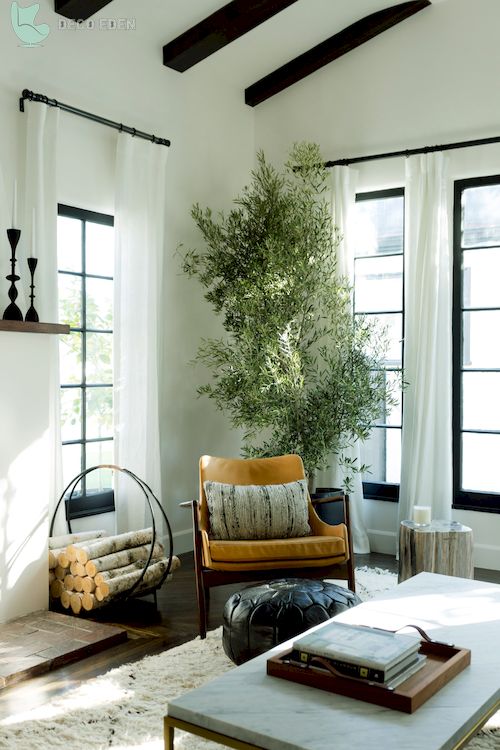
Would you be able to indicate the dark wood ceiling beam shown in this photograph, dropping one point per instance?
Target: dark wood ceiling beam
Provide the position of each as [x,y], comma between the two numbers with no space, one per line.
[79,9]
[337,45]
[217,30]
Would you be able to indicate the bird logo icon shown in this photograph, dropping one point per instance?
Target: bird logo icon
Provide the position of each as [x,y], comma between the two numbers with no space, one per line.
[23,23]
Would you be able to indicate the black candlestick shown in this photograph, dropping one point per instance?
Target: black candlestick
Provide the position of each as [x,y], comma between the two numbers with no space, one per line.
[12,312]
[32,315]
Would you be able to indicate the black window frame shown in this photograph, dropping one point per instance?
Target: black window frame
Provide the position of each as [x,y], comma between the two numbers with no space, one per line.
[85,504]
[487,502]
[386,491]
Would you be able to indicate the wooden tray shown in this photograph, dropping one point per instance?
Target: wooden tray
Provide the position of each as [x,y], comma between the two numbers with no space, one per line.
[443,663]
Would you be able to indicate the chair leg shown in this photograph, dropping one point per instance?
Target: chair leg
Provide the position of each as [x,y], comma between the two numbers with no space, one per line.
[201,593]
[350,574]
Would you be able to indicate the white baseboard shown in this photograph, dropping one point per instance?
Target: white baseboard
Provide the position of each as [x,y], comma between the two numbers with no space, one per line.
[183,541]
[382,541]
[487,556]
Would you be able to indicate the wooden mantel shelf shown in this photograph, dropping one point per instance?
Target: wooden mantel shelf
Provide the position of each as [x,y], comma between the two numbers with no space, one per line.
[19,326]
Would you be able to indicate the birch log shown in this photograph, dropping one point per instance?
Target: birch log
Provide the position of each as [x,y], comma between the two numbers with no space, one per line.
[78,583]
[110,544]
[69,582]
[61,572]
[88,585]
[56,542]
[63,559]
[121,584]
[56,588]
[77,569]
[52,576]
[107,575]
[438,547]
[119,559]
[53,557]
[75,601]
[66,599]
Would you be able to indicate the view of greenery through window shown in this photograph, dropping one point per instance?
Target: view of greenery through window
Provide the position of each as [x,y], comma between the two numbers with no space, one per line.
[85,245]
[477,344]
[378,292]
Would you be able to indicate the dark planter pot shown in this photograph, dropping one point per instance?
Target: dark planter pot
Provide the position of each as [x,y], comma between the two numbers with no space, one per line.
[328,503]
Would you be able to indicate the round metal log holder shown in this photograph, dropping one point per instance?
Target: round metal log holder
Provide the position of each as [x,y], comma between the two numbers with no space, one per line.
[150,499]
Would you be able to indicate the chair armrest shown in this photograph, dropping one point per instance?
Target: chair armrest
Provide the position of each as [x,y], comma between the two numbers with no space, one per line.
[187,504]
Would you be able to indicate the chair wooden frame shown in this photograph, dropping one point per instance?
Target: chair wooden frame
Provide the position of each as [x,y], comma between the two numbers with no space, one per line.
[206,577]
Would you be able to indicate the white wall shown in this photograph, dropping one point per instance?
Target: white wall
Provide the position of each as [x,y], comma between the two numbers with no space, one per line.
[120,75]
[24,474]
[430,80]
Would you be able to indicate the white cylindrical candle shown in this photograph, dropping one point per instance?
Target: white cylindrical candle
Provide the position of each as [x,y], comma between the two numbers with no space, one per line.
[14,207]
[33,235]
[422,513]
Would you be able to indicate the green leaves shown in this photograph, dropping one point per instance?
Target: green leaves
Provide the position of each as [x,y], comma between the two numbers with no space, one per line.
[296,371]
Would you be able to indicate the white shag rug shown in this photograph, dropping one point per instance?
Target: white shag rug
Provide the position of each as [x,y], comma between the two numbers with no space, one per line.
[124,708]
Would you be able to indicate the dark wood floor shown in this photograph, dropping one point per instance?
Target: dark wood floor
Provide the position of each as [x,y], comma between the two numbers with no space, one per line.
[152,630]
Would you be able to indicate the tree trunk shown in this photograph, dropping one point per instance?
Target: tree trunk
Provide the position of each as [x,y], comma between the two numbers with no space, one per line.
[65,539]
[109,545]
[119,559]
[438,547]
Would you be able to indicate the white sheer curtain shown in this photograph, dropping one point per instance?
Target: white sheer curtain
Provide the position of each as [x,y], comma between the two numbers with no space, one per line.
[40,239]
[343,201]
[426,473]
[139,230]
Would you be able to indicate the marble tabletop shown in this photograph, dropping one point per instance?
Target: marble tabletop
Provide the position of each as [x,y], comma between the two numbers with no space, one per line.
[276,714]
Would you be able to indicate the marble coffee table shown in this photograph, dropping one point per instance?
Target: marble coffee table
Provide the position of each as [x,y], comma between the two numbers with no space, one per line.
[245,708]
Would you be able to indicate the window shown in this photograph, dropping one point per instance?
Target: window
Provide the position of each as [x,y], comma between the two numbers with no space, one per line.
[85,249]
[378,293]
[476,344]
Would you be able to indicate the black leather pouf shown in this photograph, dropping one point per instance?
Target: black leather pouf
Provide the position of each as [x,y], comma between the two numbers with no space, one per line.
[259,617]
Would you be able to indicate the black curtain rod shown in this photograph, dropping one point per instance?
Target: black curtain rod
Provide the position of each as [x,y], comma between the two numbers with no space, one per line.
[89,116]
[412,151]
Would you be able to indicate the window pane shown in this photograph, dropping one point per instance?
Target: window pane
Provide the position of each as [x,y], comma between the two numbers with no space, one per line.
[70,300]
[392,414]
[480,462]
[393,323]
[71,414]
[100,249]
[99,304]
[99,358]
[70,355]
[481,216]
[481,401]
[393,461]
[379,226]
[382,453]
[480,340]
[97,454]
[69,244]
[481,274]
[99,412]
[72,463]
[378,284]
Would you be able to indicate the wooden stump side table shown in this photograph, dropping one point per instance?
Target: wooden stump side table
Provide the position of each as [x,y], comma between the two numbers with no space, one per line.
[438,547]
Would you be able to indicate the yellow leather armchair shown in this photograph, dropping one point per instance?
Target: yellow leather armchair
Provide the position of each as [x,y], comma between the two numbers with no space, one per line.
[326,553]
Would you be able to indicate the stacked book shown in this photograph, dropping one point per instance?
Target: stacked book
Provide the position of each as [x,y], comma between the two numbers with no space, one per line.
[358,651]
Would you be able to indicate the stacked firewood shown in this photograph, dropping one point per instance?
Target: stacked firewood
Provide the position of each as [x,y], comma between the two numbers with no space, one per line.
[87,570]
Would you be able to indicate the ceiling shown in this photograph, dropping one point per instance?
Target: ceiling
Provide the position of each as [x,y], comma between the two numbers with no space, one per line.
[270,45]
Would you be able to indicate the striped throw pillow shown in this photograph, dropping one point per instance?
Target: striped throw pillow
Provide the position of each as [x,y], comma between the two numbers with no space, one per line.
[272,511]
